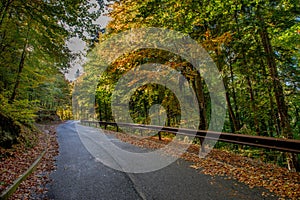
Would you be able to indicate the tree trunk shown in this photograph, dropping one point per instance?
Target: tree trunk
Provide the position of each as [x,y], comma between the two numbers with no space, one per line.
[244,61]
[232,116]
[237,115]
[231,113]
[273,117]
[252,103]
[21,66]
[4,10]
[278,91]
[100,110]
[198,88]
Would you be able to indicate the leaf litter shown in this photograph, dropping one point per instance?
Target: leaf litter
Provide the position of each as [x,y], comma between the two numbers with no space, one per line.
[15,161]
[252,172]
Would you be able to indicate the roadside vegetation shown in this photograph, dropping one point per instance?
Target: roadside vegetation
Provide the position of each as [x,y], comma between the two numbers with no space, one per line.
[34,55]
[33,59]
[255,45]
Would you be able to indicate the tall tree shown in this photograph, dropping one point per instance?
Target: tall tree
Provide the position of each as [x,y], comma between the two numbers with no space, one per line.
[33,37]
[254,44]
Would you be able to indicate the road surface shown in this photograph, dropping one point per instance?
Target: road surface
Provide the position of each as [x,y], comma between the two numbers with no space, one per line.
[80,176]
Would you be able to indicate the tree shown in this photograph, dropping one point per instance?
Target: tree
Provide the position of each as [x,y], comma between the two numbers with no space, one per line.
[34,53]
[253,43]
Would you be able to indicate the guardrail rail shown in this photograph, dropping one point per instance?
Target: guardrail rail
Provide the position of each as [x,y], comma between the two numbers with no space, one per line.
[280,144]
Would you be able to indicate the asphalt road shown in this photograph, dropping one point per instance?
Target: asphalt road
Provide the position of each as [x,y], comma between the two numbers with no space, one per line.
[80,176]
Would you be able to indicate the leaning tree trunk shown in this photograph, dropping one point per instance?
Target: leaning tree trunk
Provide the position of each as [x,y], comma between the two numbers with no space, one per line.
[278,91]
[21,66]
[20,69]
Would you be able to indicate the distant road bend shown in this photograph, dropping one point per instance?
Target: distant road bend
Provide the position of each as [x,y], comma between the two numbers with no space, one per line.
[80,176]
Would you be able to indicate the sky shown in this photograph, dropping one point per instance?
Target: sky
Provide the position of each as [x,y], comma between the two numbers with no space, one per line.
[76,45]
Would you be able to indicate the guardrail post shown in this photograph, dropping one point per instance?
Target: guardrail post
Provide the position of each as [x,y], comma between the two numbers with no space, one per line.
[202,145]
[279,144]
[159,135]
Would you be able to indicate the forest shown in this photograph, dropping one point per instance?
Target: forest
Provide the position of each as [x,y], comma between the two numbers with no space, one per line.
[34,57]
[254,44]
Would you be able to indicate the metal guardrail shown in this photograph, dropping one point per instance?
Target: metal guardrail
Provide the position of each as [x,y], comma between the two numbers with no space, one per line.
[280,144]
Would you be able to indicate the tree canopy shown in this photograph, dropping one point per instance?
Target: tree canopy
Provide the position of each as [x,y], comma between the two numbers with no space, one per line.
[34,53]
[254,43]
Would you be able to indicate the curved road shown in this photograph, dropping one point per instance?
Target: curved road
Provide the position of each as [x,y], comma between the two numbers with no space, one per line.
[80,176]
